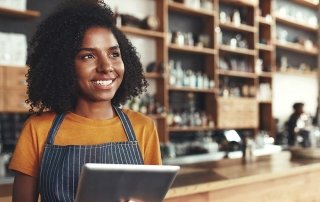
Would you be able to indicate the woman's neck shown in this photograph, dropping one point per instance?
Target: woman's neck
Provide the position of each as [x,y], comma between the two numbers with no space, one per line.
[98,111]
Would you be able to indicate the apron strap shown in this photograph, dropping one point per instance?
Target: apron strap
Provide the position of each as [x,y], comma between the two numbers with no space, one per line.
[55,127]
[126,124]
[128,130]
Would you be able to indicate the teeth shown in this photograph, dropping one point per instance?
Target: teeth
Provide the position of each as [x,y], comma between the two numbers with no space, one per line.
[103,82]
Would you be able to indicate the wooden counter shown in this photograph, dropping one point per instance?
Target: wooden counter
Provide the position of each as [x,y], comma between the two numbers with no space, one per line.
[271,180]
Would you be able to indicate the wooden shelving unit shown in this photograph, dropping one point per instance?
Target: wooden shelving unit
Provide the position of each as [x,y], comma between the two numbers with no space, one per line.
[265,46]
[301,31]
[227,109]
[202,58]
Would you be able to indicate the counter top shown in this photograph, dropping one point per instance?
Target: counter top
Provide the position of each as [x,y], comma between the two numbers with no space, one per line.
[205,178]
[273,175]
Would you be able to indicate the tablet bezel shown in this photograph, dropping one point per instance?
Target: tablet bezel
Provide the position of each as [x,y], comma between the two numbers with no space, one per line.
[123,182]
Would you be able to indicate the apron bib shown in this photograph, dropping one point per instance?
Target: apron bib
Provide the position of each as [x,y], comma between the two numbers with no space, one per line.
[61,165]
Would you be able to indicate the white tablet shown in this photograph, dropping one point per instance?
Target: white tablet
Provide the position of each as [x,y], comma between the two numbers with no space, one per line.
[122,182]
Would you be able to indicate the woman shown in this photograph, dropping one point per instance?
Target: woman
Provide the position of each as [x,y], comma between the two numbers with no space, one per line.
[81,69]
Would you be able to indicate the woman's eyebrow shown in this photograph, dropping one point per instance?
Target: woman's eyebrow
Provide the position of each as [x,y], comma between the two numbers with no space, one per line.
[116,47]
[85,49]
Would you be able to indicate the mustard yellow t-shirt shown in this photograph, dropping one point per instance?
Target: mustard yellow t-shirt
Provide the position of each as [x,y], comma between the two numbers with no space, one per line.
[78,130]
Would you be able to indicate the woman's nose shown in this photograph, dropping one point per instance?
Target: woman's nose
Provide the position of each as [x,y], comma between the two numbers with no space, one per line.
[105,65]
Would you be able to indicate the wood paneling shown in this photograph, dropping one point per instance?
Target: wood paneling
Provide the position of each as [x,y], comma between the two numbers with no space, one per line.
[1,77]
[14,101]
[237,113]
[14,78]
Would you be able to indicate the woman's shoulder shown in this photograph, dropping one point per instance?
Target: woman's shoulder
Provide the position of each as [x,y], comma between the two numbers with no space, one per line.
[137,116]
[45,117]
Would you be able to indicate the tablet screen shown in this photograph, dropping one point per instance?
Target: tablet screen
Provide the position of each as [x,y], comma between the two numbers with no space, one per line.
[122,182]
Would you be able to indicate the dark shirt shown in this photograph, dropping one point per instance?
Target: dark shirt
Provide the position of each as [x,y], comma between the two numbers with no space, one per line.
[291,125]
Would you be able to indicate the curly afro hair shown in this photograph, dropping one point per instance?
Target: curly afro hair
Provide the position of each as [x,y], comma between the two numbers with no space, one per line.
[51,75]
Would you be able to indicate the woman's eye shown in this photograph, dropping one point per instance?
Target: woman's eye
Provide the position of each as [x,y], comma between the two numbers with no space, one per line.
[87,56]
[115,54]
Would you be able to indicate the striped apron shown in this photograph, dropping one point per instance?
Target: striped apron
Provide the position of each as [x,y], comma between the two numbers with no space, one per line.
[61,165]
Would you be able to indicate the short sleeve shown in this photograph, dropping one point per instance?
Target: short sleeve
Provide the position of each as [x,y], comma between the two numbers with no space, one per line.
[152,153]
[26,155]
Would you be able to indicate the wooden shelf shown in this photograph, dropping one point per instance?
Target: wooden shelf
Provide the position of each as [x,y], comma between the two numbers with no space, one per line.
[156,116]
[192,90]
[296,24]
[237,74]
[268,102]
[13,66]
[243,51]
[263,20]
[241,27]
[299,73]
[241,2]
[265,74]
[19,13]
[265,47]
[190,128]
[192,49]
[235,128]
[142,32]
[297,48]
[309,3]
[180,7]
[153,75]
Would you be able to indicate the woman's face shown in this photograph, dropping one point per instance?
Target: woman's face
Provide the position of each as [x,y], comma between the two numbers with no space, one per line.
[98,65]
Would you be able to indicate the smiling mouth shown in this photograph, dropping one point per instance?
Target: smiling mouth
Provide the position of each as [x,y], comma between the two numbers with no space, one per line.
[103,82]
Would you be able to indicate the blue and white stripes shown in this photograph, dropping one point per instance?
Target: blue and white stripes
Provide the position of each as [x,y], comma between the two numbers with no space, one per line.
[61,165]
